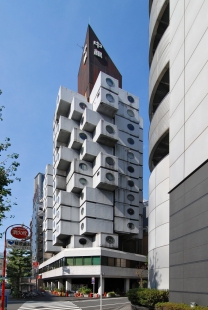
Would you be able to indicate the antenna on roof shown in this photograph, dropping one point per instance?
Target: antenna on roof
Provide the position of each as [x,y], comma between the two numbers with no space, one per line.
[82,47]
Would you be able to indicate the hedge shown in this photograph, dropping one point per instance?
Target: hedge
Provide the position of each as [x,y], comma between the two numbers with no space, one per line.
[175,306]
[147,297]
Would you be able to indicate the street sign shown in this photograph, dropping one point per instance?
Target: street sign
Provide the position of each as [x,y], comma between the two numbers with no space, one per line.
[19,232]
[93,280]
[19,245]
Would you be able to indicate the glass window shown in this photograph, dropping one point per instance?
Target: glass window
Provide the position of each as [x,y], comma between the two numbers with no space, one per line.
[111,261]
[69,261]
[130,169]
[83,166]
[78,261]
[130,225]
[96,260]
[130,155]
[130,197]
[87,260]
[82,105]
[83,181]
[110,161]
[82,241]
[130,113]
[104,261]
[130,211]
[109,82]
[123,262]
[110,176]
[130,141]
[109,97]
[82,226]
[130,127]
[82,211]
[117,262]
[131,99]
[130,183]
[110,129]
[83,136]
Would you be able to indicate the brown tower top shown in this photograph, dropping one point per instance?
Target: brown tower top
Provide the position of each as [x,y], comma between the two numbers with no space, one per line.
[94,59]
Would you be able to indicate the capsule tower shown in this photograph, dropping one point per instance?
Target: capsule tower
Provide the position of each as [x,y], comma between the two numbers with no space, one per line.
[93,192]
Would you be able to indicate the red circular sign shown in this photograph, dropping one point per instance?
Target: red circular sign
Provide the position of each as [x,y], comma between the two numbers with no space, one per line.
[19,232]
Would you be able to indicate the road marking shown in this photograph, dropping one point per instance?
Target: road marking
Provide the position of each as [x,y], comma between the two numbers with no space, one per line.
[104,305]
[46,305]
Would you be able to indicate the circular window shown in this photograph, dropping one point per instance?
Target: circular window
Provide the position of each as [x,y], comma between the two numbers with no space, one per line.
[130,127]
[83,181]
[83,136]
[82,105]
[130,169]
[131,99]
[82,226]
[110,239]
[83,166]
[130,183]
[130,113]
[109,82]
[82,120]
[109,129]
[110,161]
[109,97]
[82,241]
[130,197]
[82,211]
[110,176]
[130,225]
[130,155]
[130,211]
[130,141]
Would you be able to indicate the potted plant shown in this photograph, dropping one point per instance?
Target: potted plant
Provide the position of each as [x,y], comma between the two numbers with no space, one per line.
[111,294]
[85,291]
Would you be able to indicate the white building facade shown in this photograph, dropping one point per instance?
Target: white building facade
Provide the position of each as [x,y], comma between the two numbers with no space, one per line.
[93,193]
[178,149]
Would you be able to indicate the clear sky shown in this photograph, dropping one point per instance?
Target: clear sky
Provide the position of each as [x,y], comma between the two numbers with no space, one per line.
[39,52]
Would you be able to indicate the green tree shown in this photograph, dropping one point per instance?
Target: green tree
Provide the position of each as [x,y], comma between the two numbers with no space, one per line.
[8,168]
[19,264]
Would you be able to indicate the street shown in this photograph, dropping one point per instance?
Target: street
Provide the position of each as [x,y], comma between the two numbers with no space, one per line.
[69,303]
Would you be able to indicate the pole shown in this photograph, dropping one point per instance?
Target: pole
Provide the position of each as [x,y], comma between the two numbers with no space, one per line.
[101,288]
[4,265]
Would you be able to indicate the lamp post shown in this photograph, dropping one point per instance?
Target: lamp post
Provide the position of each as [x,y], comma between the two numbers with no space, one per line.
[4,263]
[101,288]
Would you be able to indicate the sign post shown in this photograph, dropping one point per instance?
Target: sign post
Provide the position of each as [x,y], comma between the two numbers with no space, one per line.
[19,232]
[93,283]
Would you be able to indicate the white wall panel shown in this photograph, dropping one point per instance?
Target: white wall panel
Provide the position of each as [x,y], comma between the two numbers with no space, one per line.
[162,235]
[98,195]
[95,226]
[177,146]
[96,210]
[176,120]
[177,172]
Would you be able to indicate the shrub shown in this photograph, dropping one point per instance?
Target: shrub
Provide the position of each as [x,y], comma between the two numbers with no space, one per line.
[175,306]
[147,297]
[112,294]
[85,290]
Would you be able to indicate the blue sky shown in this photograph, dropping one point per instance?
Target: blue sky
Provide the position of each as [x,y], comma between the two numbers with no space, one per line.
[39,52]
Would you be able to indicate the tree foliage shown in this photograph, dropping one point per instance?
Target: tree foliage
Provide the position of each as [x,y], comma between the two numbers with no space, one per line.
[8,168]
[18,266]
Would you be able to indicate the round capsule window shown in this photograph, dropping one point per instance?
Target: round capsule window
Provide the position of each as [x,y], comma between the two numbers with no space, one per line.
[109,82]
[82,241]
[130,183]
[109,129]
[130,99]
[110,161]
[130,225]
[109,97]
[82,211]
[130,155]
[110,240]
[130,211]
[82,226]
[110,176]
[130,113]
[83,181]
[130,197]
[83,136]
[82,105]
[130,127]
[130,169]
[83,166]
[130,141]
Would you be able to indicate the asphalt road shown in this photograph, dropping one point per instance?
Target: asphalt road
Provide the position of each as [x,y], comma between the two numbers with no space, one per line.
[51,302]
